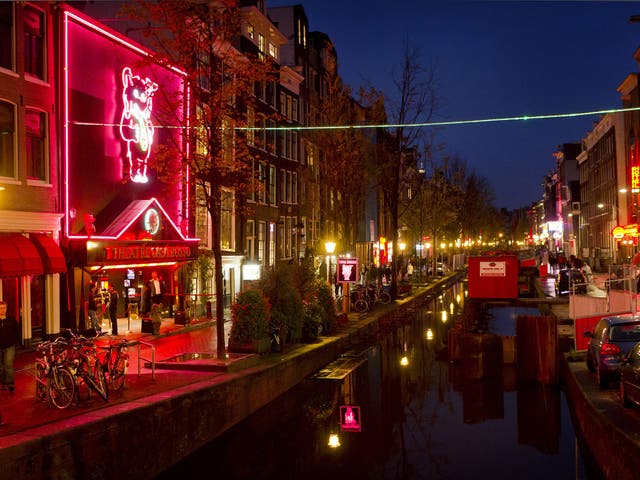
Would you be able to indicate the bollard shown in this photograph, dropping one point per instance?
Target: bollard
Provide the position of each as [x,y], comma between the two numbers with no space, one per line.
[209,314]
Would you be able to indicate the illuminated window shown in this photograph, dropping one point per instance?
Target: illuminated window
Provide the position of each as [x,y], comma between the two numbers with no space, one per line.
[36,143]
[261,46]
[272,243]
[273,50]
[227,223]
[250,239]
[6,36]
[34,23]
[7,140]
[262,235]
[272,185]
[250,32]
[203,225]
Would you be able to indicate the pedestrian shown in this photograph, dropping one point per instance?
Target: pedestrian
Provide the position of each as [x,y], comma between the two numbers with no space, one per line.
[158,289]
[410,270]
[9,338]
[113,309]
[92,307]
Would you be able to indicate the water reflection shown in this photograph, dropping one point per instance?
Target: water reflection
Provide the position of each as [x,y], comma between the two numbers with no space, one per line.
[421,416]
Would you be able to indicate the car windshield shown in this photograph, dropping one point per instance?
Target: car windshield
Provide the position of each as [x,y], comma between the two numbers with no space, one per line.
[625,333]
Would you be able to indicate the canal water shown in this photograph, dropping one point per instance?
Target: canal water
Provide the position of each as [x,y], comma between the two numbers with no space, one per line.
[396,408]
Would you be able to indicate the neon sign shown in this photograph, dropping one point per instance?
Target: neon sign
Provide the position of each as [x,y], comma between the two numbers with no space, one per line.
[635,177]
[136,127]
[350,418]
[619,232]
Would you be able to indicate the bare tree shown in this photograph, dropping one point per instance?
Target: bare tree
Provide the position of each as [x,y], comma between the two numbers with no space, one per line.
[414,101]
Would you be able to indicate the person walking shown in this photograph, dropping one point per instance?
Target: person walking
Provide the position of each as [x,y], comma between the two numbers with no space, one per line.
[92,307]
[113,309]
[9,338]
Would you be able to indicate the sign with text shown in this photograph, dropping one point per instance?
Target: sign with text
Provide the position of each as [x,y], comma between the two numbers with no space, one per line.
[347,270]
[350,420]
[493,269]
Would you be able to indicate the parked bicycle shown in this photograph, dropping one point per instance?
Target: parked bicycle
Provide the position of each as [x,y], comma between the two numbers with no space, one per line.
[359,299]
[115,363]
[55,384]
[378,294]
[84,364]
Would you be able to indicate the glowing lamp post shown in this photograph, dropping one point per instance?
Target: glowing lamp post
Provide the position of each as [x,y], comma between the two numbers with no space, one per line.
[330,247]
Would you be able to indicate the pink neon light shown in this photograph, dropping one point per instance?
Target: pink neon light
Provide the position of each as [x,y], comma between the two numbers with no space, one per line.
[69,18]
[136,127]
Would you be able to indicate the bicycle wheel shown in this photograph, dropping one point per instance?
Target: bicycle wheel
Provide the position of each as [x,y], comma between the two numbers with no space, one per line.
[101,381]
[361,305]
[384,297]
[97,385]
[42,382]
[117,374]
[62,388]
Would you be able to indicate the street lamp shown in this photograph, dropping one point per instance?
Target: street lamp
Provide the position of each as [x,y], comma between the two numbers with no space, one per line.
[330,247]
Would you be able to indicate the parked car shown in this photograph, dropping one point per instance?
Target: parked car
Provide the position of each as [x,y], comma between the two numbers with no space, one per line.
[630,378]
[612,338]
[571,280]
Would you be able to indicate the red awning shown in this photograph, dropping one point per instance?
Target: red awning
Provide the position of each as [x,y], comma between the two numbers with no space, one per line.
[52,257]
[18,256]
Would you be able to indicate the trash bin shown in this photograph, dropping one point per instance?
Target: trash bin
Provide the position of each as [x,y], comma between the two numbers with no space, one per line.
[180,318]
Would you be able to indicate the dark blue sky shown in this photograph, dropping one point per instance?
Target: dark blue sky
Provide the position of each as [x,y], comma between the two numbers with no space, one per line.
[493,59]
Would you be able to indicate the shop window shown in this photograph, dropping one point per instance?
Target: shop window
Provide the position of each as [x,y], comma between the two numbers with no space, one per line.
[7,140]
[6,36]
[36,143]
[34,36]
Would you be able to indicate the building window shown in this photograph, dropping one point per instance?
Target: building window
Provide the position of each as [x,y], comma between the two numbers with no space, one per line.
[294,110]
[251,123]
[7,140]
[34,22]
[294,146]
[273,50]
[283,103]
[262,183]
[273,191]
[250,32]
[262,235]
[250,239]
[203,225]
[261,46]
[227,221]
[36,123]
[6,36]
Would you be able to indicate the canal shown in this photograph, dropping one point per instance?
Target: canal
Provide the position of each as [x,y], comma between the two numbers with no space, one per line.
[396,408]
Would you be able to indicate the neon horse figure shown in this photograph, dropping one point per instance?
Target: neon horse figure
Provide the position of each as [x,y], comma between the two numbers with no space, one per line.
[135,126]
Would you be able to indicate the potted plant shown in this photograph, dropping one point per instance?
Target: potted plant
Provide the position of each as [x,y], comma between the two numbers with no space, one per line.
[249,321]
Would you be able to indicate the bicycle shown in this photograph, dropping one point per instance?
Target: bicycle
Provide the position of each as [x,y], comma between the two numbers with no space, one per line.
[379,294]
[55,384]
[359,299]
[115,366]
[85,366]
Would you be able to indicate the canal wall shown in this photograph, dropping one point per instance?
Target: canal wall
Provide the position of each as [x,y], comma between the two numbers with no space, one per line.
[142,438]
[609,433]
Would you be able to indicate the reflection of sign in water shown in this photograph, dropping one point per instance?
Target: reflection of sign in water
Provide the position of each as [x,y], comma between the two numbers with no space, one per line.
[493,269]
[152,221]
[135,125]
[347,270]
[350,418]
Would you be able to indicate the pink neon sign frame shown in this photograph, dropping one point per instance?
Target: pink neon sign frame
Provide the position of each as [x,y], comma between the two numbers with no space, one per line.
[89,24]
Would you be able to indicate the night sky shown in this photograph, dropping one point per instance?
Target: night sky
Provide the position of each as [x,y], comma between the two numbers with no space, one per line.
[493,59]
